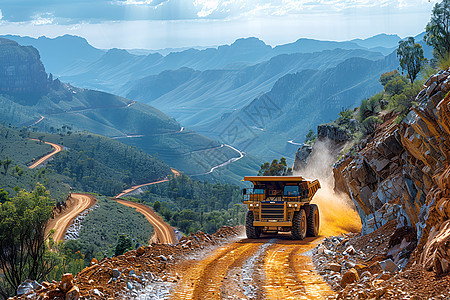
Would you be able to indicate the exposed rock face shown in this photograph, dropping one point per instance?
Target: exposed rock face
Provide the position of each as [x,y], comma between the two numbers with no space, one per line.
[333,133]
[402,171]
[301,157]
[325,133]
[21,70]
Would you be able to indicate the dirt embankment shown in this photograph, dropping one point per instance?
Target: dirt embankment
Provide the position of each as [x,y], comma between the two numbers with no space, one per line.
[75,204]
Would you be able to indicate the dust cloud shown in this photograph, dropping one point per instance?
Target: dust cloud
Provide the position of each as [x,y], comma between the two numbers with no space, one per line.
[337,211]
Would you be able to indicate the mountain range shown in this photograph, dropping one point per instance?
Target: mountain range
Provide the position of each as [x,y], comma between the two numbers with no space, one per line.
[49,105]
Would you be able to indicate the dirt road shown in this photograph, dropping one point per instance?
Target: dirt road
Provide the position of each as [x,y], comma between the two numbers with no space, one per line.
[270,268]
[75,205]
[165,234]
[133,188]
[56,149]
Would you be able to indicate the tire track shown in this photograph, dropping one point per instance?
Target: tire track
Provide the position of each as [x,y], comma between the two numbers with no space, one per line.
[205,279]
[60,223]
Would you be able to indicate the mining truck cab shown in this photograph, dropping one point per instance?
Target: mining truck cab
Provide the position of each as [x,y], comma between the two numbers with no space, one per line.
[281,204]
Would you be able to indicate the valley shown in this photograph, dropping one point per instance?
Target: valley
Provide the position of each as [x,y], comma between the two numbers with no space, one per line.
[271,165]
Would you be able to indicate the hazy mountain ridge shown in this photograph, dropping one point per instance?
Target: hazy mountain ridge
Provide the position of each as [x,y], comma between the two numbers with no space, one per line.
[299,102]
[106,114]
[198,97]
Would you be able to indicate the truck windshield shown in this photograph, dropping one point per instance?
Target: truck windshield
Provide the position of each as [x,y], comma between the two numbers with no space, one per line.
[258,191]
[291,191]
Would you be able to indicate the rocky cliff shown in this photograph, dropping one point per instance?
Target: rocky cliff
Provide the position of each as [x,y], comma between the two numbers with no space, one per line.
[334,135]
[401,172]
[22,73]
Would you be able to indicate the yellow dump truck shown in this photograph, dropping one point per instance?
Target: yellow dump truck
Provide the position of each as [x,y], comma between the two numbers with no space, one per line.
[280,204]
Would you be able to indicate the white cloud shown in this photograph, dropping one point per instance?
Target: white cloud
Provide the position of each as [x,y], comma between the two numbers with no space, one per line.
[1,16]
[141,2]
[43,19]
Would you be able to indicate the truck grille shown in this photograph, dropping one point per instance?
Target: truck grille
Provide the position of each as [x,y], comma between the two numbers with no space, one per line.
[272,211]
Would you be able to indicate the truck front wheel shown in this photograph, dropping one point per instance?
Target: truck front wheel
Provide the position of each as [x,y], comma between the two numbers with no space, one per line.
[251,231]
[313,220]
[299,224]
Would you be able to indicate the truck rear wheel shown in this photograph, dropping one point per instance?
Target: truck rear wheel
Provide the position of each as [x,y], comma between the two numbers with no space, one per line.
[313,220]
[251,231]
[299,224]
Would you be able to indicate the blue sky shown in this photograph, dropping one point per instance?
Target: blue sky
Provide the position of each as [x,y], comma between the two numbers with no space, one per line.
[155,24]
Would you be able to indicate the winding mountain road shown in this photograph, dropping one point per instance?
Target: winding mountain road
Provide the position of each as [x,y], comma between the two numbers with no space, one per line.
[76,204]
[165,233]
[56,149]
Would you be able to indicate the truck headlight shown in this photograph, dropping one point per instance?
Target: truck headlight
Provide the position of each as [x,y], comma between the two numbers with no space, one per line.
[290,205]
[295,205]
[257,204]
[251,204]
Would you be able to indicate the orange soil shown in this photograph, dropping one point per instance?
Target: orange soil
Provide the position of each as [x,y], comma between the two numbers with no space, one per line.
[164,232]
[282,272]
[56,149]
[76,204]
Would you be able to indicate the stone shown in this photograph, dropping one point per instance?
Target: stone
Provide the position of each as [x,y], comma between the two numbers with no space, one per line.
[94,261]
[163,257]
[66,282]
[27,286]
[350,251]
[388,265]
[115,273]
[321,249]
[333,267]
[73,294]
[97,293]
[140,251]
[349,277]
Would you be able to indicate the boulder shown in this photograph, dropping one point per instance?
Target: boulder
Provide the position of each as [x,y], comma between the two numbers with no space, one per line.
[349,277]
[115,273]
[333,267]
[66,282]
[140,251]
[27,286]
[388,266]
[73,294]
[350,251]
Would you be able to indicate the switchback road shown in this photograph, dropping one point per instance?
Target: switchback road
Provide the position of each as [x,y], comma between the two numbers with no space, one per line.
[76,204]
[164,232]
[56,149]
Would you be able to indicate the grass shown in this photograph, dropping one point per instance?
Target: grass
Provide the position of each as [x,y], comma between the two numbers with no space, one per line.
[103,226]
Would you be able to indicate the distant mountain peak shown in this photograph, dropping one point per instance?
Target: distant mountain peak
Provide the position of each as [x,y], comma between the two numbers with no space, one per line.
[6,42]
[252,42]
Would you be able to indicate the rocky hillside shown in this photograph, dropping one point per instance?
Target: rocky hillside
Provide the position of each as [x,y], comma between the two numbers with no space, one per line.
[402,172]
[22,73]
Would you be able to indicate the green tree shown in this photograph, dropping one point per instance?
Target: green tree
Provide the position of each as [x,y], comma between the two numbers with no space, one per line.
[157,205]
[275,168]
[3,196]
[123,245]
[6,164]
[23,221]
[310,136]
[438,30]
[411,57]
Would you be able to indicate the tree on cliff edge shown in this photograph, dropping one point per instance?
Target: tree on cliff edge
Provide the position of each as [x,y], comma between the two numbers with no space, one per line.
[411,57]
[438,30]
[23,220]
